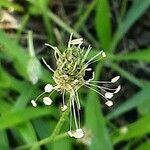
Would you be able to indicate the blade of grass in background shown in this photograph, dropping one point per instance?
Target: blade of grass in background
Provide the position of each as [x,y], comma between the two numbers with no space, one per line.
[144,108]
[138,8]
[103,24]
[23,23]
[63,144]
[136,129]
[127,75]
[14,118]
[15,52]
[43,6]
[4,140]
[95,121]
[28,133]
[138,55]
[136,100]
[84,16]
[19,56]
[144,146]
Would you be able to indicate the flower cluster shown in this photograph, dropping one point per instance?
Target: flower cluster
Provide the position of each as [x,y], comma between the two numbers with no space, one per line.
[69,78]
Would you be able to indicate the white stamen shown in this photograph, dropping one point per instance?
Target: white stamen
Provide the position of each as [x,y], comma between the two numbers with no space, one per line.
[103,54]
[70,40]
[108,95]
[115,79]
[48,66]
[87,52]
[78,133]
[47,101]
[54,48]
[74,112]
[109,103]
[118,89]
[33,103]
[64,107]
[94,57]
[48,88]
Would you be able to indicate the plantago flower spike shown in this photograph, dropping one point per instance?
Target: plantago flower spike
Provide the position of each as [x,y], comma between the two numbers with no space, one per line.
[69,78]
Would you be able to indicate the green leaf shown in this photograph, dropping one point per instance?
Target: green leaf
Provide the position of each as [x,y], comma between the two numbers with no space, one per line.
[138,8]
[136,129]
[144,146]
[102,23]
[4,106]
[15,52]
[26,131]
[63,144]
[144,108]
[4,145]
[126,75]
[83,16]
[23,115]
[134,101]
[95,121]
[138,55]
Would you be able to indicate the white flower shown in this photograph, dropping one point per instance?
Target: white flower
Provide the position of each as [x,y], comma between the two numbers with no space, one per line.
[48,88]
[64,107]
[47,101]
[109,95]
[109,103]
[33,103]
[115,79]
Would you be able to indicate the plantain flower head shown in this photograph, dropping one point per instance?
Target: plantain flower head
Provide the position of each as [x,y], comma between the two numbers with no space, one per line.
[69,77]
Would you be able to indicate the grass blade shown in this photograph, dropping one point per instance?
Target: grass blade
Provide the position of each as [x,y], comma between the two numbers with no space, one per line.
[102,23]
[23,115]
[139,55]
[135,130]
[95,121]
[135,12]
[131,103]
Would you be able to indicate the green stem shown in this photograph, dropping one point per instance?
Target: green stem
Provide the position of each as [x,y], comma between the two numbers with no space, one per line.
[55,132]
[58,137]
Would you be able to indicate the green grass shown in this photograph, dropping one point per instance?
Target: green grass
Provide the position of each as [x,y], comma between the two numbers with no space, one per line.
[30,127]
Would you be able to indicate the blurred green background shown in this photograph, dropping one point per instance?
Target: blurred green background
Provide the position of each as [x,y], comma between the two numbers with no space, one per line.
[120,27]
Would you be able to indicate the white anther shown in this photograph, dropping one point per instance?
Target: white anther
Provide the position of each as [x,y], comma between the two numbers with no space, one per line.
[47,101]
[118,89]
[124,130]
[33,103]
[88,69]
[48,88]
[64,107]
[70,133]
[76,41]
[78,134]
[109,103]
[109,95]
[115,79]
[103,54]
